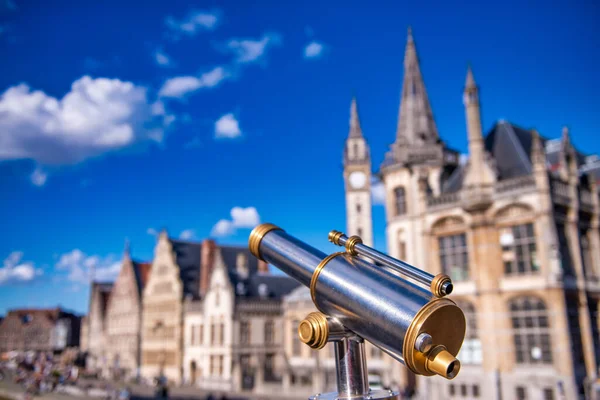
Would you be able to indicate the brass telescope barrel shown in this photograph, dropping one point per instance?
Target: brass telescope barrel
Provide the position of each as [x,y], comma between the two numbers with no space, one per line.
[399,317]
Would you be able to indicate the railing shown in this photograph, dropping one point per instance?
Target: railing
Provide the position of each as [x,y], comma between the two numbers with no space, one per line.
[258,305]
[444,199]
[514,184]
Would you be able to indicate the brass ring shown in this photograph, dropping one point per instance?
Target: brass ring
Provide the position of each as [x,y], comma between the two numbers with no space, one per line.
[315,276]
[256,236]
[334,237]
[351,242]
[437,284]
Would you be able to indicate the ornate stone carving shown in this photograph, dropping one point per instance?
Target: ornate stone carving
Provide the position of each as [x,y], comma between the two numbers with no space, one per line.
[447,224]
[514,211]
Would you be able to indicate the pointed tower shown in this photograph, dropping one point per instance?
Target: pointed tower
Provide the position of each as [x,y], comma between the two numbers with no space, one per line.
[479,172]
[357,177]
[416,126]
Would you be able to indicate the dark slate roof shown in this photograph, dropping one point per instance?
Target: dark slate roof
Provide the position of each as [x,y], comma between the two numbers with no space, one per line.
[188,257]
[510,146]
[276,285]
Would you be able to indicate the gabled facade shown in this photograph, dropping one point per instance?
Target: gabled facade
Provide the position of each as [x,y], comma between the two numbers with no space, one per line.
[96,327]
[516,228]
[233,337]
[123,319]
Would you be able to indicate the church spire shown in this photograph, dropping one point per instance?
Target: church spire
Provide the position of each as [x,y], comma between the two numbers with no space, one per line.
[355,129]
[415,120]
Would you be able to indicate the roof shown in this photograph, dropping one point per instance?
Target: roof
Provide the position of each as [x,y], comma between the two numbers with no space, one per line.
[273,286]
[188,259]
[142,273]
[510,147]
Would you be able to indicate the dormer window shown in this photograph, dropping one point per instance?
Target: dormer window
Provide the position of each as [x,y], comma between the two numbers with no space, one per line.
[242,266]
[27,318]
[263,290]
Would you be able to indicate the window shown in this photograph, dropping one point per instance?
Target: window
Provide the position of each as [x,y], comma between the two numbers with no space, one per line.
[521,393]
[358,208]
[451,389]
[586,255]
[212,334]
[193,335]
[245,332]
[563,244]
[269,332]
[454,257]
[269,368]
[548,394]
[221,365]
[531,331]
[359,232]
[212,365]
[222,333]
[463,390]
[402,250]
[201,332]
[518,250]
[470,352]
[296,349]
[400,198]
[356,156]
[475,390]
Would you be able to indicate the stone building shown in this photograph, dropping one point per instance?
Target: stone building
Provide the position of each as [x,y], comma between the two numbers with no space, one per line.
[48,330]
[97,360]
[308,371]
[123,319]
[233,334]
[179,271]
[515,226]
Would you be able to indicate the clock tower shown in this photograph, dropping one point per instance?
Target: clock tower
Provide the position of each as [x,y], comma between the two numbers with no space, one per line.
[357,177]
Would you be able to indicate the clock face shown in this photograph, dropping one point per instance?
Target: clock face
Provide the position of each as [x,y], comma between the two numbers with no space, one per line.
[358,180]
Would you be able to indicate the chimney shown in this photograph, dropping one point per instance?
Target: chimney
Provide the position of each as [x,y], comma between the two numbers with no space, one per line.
[207,258]
[263,267]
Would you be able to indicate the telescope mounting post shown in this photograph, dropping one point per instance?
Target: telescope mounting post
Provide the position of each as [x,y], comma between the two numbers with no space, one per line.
[316,330]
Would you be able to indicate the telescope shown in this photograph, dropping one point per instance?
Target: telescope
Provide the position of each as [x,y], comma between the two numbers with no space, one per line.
[363,294]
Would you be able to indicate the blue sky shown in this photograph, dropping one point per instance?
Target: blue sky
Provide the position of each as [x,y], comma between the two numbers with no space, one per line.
[118,120]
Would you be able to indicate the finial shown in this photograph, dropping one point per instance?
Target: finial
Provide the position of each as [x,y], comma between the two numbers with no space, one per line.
[537,149]
[355,130]
[409,35]
[127,250]
[470,82]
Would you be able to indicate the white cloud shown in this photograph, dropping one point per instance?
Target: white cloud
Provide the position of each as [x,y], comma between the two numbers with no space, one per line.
[81,267]
[187,234]
[182,85]
[377,192]
[38,177]
[249,50]
[161,58]
[227,127]
[463,158]
[96,116]
[194,22]
[240,218]
[313,50]
[152,232]
[15,270]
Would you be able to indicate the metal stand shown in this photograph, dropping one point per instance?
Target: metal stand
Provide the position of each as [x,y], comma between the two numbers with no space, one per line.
[351,371]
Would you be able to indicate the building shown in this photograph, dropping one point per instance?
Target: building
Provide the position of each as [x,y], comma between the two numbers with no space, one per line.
[97,359]
[180,271]
[233,334]
[515,227]
[123,318]
[47,330]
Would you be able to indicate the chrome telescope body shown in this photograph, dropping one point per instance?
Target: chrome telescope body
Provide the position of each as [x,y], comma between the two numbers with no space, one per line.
[421,329]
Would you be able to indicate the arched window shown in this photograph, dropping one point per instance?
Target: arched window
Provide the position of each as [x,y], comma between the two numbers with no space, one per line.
[356,155]
[400,200]
[358,208]
[470,352]
[531,331]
